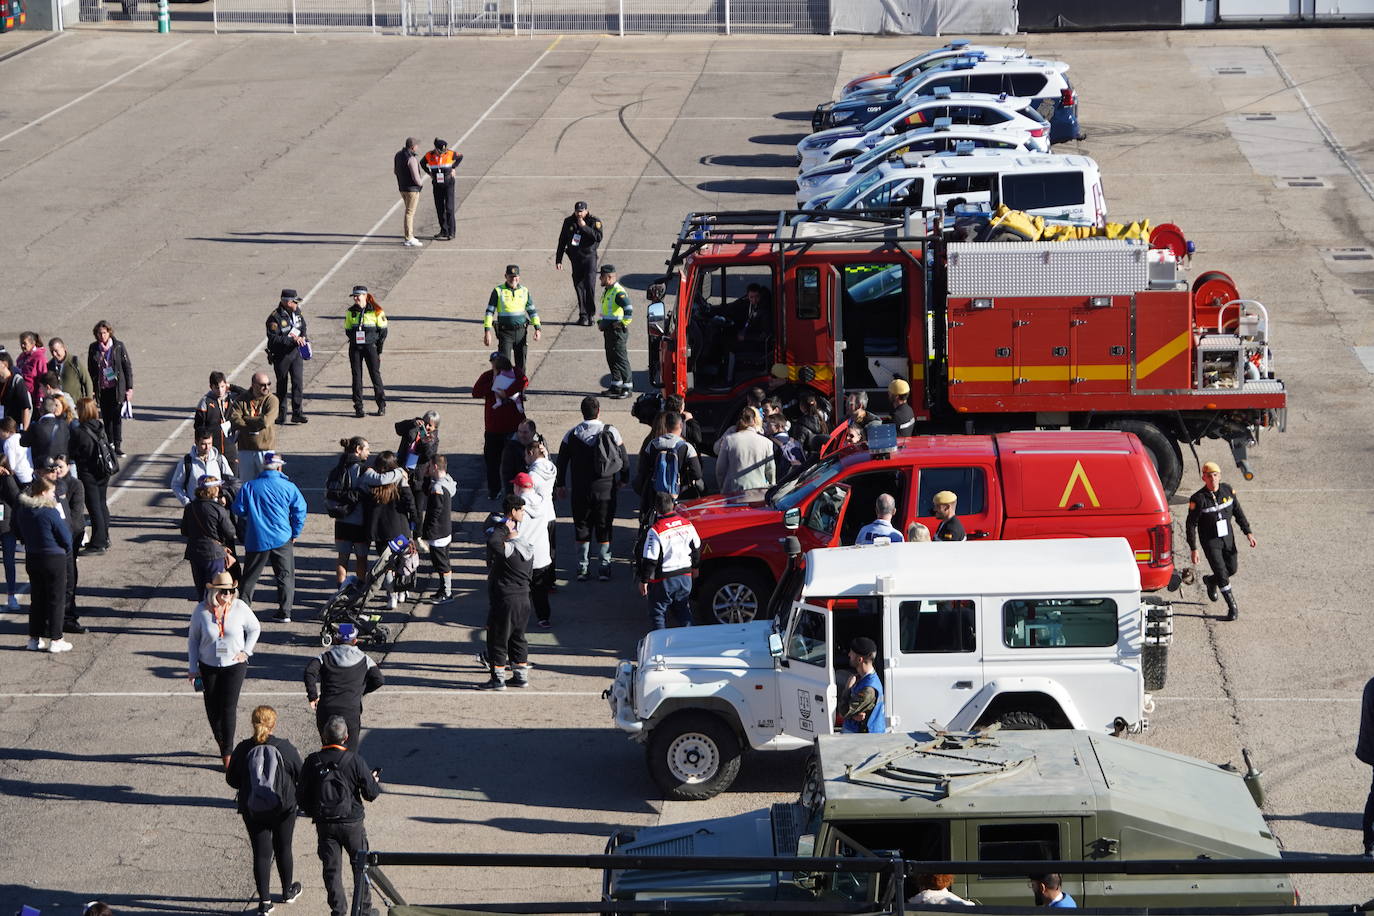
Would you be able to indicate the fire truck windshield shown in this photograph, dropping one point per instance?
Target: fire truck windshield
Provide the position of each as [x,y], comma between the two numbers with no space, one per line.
[793,492]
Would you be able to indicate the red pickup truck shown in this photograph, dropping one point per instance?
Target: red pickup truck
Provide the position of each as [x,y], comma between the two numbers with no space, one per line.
[1047,484]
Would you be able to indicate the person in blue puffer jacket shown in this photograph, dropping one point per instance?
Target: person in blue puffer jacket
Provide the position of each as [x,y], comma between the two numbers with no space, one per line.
[47,542]
[273,513]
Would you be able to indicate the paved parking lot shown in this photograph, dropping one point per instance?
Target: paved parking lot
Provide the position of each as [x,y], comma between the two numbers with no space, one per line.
[172,184]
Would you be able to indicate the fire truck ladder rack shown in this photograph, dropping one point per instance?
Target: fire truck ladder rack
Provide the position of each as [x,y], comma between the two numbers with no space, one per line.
[800,229]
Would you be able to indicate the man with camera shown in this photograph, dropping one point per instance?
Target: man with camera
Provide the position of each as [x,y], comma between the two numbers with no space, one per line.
[334,784]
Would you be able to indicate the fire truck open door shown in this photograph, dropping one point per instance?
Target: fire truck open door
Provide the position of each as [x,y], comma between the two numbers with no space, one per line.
[878,335]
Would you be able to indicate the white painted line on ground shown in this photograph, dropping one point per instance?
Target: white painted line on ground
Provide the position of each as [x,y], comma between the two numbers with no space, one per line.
[181,427]
[1259,699]
[87,95]
[1358,173]
[371,698]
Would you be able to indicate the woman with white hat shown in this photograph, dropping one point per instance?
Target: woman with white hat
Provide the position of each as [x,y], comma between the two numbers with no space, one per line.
[221,638]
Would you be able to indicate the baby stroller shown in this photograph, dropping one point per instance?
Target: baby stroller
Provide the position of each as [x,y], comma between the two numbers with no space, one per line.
[349,604]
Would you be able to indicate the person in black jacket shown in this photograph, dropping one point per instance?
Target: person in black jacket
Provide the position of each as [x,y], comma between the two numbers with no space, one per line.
[210,535]
[419,444]
[338,826]
[388,511]
[578,238]
[511,558]
[337,680]
[47,541]
[71,497]
[1213,514]
[50,433]
[9,530]
[436,526]
[269,831]
[89,449]
[286,332]
[212,416]
[112,373]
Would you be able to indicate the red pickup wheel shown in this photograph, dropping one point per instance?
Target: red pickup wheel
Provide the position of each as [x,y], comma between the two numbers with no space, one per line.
[733,594]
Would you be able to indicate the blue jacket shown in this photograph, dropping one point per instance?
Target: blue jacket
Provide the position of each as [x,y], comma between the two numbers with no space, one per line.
[273,511]
[41,526]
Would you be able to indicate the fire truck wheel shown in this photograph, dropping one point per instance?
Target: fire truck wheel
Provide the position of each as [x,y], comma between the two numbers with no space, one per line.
[733,594]
[1020,720]
[693,756]
[1168,457]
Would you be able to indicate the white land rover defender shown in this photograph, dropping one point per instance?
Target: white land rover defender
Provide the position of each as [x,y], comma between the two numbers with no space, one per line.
[1029,634]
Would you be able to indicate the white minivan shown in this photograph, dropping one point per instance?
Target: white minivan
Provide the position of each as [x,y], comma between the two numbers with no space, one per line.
[1060,188]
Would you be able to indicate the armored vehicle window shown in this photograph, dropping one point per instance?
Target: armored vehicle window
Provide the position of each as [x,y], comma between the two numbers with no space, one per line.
[966,483]
[1018,841]
[807,641]
[1059,622]
[923,840]
[1047,189]
[937,626]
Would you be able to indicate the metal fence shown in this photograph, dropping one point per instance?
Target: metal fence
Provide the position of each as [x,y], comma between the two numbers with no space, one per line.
[514,17]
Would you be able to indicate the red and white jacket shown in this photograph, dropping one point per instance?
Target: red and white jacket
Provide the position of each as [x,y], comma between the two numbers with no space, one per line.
[671,548]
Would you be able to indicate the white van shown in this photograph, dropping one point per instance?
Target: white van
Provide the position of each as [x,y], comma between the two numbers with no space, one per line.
[1061,188]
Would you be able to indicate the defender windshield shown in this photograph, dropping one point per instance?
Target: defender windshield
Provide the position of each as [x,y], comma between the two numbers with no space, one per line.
[793,492]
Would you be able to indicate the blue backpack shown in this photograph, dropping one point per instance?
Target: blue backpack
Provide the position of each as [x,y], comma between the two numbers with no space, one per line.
[666,476]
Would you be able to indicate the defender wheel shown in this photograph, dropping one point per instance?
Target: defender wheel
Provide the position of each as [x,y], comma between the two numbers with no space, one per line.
[733,594]
[1020,720]
[1167,455]
[813,784]
[693,756]
[1154,666]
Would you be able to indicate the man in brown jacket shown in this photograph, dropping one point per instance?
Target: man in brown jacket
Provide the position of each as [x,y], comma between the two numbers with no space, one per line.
[255,416]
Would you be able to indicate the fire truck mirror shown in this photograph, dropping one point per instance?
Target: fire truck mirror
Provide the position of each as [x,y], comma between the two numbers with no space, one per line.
[658,319]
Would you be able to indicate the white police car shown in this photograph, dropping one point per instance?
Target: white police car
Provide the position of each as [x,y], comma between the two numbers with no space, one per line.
[887,79]
[958,107]
[1029,83]
[941,137]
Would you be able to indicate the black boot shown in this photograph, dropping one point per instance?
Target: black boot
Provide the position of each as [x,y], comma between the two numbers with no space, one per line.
[520,676]
[1211,584]
[1232,612]
[495,682]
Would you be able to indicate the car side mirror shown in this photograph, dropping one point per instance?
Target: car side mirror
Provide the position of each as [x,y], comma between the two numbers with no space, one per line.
[791,519]
[775,644]
[658,319]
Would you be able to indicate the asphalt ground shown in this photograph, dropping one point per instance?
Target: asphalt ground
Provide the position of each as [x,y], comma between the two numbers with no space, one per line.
[171,184]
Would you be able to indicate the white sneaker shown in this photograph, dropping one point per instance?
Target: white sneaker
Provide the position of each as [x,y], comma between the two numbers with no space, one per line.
[392,602]
[59,645]
[414,243]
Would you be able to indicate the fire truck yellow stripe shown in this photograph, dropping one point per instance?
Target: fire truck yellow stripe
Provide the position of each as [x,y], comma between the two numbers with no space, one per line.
[1062,373]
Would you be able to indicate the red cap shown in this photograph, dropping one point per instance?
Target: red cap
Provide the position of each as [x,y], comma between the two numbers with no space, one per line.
[523,481]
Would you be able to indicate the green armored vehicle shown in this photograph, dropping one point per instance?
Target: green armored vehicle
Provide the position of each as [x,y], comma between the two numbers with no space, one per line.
[995,796]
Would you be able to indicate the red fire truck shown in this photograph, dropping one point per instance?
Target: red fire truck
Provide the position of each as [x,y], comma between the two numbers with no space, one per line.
[992,336]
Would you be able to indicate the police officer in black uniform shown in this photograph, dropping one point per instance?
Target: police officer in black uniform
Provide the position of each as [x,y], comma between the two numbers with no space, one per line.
[441,162]
[285,333]
[1213,513]
[580,235]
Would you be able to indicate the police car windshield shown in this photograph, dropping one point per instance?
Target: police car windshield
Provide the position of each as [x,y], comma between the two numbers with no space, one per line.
[793,492]
[852,193]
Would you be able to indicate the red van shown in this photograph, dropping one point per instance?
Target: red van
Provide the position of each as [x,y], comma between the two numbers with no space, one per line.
[1047,484]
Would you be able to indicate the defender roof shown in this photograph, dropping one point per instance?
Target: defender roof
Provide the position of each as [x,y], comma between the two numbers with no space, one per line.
[1058,772]
[1033,567]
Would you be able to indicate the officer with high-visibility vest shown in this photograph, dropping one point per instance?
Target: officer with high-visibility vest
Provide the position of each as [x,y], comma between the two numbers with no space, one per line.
[614,319]
[365,327]
[510,309]
[441,162]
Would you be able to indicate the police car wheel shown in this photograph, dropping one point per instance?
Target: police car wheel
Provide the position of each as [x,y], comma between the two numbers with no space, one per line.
[693,756]
[733,594]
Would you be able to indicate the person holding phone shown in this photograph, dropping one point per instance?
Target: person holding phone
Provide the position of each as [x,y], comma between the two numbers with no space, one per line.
[334,784]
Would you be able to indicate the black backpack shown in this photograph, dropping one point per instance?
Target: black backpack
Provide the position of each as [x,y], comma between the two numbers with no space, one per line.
[341,497]
[106,458]
[606,460]
[332,792]
[266,794]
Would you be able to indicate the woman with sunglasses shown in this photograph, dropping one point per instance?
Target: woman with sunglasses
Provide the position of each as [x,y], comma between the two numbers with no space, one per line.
[221,638]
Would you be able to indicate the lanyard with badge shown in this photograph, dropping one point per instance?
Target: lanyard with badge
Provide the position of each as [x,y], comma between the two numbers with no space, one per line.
[107,370]
[1223,523]
[223,651]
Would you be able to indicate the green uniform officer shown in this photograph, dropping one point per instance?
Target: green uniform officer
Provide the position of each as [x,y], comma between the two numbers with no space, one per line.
[614,319]
[511,309]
